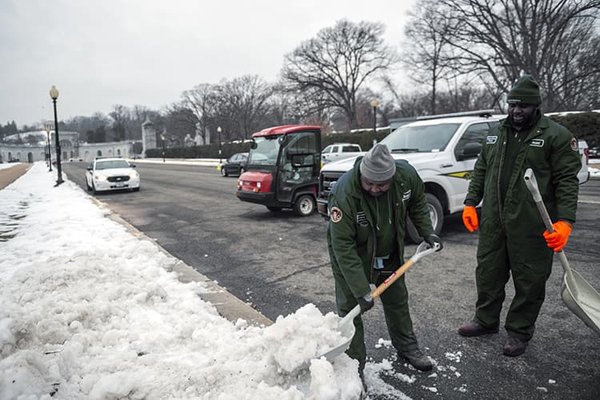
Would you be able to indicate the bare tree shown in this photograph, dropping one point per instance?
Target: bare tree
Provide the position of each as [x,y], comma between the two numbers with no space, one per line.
[121,122]
[554,40]
[332,67]
[427,51]
[180,120]
[243,102]
[202,101]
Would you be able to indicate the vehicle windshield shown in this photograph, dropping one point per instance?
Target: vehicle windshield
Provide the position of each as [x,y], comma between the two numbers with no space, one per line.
[423,138]
[265,153]
[108,164]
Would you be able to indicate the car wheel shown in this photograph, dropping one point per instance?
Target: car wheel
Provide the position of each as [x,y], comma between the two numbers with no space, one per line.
[94,188]
[87,185]
[137,189]
[273,209]
[305,205]
[436,213]
[224,172]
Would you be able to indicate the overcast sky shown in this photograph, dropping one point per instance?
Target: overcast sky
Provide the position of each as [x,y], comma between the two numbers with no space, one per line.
[147,52]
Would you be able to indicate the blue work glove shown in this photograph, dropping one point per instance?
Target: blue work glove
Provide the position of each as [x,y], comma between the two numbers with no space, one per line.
[365,302]
[432,239]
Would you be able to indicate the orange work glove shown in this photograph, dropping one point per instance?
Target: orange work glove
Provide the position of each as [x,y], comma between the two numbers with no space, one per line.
[470,218]
[559,238]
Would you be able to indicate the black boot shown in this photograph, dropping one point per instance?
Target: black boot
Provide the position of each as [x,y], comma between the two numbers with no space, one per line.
[417,359]
[475,329]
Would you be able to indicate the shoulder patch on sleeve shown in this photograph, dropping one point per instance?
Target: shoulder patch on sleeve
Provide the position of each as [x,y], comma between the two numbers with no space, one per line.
[335,215]
[574,144]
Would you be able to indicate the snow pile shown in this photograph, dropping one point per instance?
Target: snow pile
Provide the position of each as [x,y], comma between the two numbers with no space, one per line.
[91,312]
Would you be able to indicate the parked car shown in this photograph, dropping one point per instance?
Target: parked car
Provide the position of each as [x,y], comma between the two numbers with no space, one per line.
[235,164]
[105,174]
[340,151]
[443,149]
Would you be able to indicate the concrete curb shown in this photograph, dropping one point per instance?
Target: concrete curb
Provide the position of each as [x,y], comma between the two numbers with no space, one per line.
[227,305]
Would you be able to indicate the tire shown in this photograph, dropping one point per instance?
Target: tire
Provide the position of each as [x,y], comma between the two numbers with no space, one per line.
[436,213]
[87,185]
[305,205]
[224,172]
[94,191]
[137,189]
[273,209]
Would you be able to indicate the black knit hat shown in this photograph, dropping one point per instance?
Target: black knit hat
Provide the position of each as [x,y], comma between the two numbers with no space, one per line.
[526,91]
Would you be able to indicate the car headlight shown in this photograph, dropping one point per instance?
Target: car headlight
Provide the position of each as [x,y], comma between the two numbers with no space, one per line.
[133,174]
[99,177]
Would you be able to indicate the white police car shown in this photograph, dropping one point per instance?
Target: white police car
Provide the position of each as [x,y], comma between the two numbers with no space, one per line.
[105,174]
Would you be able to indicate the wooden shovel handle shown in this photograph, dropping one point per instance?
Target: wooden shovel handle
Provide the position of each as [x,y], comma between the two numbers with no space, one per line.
[392,278]
[422,250]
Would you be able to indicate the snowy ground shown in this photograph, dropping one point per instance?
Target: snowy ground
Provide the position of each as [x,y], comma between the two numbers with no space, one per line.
[89,311]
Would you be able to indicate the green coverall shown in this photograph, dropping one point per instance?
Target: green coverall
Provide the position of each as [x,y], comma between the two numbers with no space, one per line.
[362,228]
[510,239]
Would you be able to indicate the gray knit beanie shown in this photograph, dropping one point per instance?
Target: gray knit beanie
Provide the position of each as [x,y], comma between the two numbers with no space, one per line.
[378,165]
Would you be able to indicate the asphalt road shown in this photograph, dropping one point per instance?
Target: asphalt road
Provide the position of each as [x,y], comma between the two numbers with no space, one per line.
[278,262]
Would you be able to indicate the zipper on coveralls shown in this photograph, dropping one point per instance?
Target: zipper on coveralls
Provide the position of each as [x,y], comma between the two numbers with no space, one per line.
[373,252]
[500,206]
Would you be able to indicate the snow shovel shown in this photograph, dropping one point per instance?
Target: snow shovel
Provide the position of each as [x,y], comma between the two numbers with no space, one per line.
[346,325]
[578,295]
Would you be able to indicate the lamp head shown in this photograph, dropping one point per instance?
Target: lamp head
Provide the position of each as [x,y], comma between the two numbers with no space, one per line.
[219,129]
[374,103]
[54,92]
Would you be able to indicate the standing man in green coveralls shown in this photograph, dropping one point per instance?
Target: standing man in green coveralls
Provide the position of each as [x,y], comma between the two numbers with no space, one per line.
[368,207]
[512,239]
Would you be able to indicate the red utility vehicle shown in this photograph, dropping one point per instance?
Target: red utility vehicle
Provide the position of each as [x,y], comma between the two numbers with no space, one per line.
[282,170]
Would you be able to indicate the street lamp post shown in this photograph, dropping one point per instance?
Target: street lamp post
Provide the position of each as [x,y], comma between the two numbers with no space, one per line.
[162,138]
[48,128]
[54,96]
[374,104]
[219,132]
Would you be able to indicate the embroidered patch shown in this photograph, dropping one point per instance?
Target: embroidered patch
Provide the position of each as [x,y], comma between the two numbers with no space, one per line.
[335,215]
[361,218]
[491,139]
[574,145]
[406,195]
[537,143]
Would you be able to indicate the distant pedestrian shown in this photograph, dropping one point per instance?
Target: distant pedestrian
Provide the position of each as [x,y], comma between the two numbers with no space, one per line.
[368,209]
[512,239]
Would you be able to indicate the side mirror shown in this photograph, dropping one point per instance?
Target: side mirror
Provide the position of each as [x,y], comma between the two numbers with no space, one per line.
[471,150]
[89,168]
[132,165]
[253,145]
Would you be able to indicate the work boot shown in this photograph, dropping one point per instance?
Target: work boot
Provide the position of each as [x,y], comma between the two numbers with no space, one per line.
[475,329]
[417,359]
[514,346]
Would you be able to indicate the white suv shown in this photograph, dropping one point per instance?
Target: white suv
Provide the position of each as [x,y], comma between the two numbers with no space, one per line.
[442,149]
